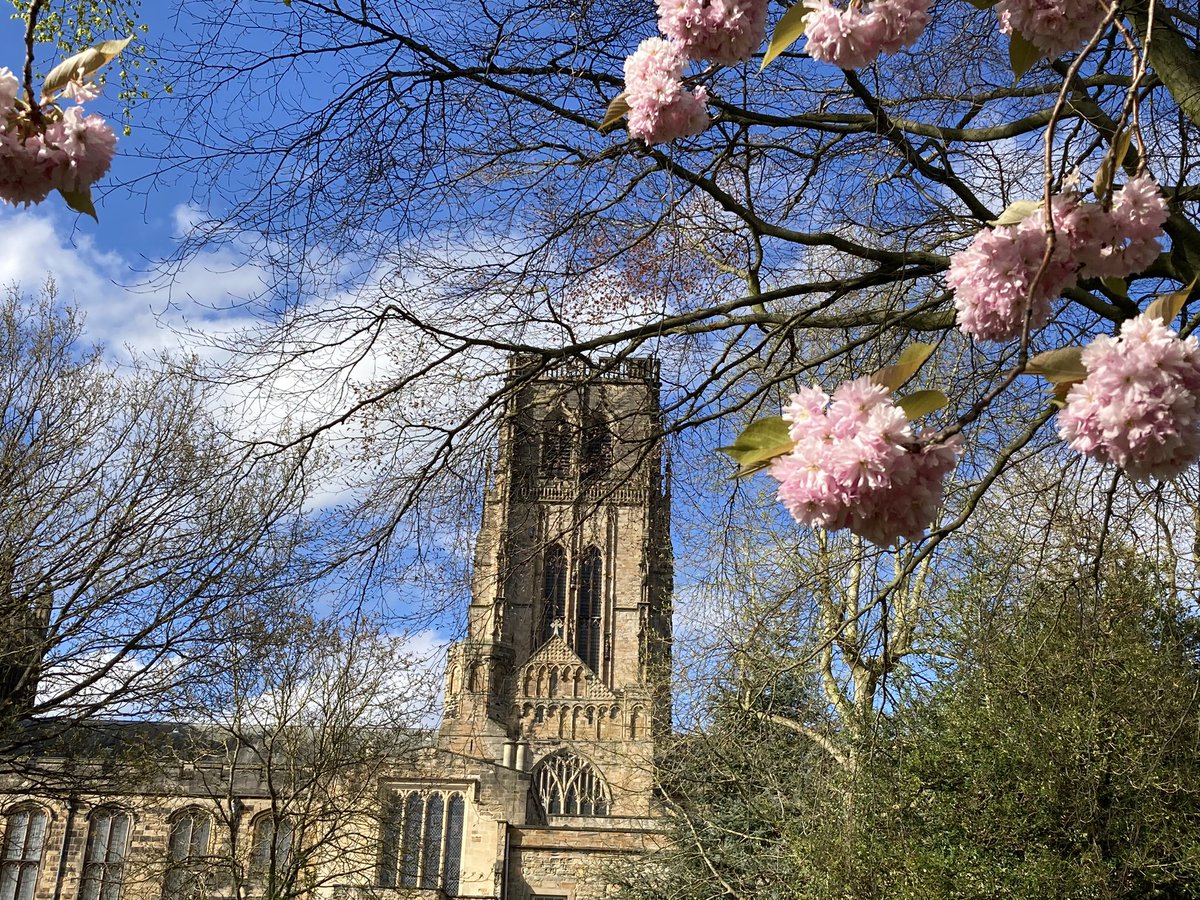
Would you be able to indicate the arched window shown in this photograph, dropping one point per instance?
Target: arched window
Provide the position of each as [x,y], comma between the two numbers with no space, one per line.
[566,785]
[556,447]
[554,590]
[422,842]
[597,449]
[587,612]
[24,840]
[271,846]
[104,858]
[187,849]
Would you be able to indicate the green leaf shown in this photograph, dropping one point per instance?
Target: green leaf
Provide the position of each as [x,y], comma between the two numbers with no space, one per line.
[1021,55]
[983,4]
[81,202]
[1017,212]
[895,377]
[1117,286]
[921,403]
[761,442]
[1115,157]
[81,65]
[788,30]
[615,113]
[1167,306]
[1058,366]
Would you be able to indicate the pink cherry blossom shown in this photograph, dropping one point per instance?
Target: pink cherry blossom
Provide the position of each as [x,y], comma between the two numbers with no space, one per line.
[1139,406]
[724,31]
[853,37]
[84,147]
[993,280]
[25,168]
[10,89]
[1125,240]
[660,109]
[856,464]
[1055,27]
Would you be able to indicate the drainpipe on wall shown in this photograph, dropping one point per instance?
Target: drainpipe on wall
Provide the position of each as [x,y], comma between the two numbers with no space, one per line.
[68,827]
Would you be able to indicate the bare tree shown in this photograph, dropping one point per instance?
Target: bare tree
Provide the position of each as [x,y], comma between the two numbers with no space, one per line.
[288,751]
[135,533]
[454,199]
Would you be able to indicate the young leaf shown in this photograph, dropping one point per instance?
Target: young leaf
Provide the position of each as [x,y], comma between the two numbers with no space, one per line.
[1167,306]
[895,377]
[1117,286]
[788,30]
[761,442]
[1059,393]
[81,202]
[616,112]
[1017,212]
[1115,157]
[81,65]
[1021,55]
[1057,366]
[921,403]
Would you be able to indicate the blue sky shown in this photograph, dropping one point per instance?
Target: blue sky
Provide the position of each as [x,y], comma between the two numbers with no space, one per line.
[107,268]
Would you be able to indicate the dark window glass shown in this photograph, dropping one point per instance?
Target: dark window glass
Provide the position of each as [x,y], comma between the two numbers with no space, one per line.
[554,590]
[187,848]
[597,450]
[389,844]
[587,618]
[24,839]
[431,856]
[556,447]
[454,838]
[104,859]
[566,785]
[271,846]
[410,851]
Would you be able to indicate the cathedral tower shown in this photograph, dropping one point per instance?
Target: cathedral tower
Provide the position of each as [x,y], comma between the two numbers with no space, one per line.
[566,659]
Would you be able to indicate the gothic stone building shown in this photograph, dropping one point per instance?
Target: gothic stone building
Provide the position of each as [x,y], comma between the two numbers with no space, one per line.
[539,780]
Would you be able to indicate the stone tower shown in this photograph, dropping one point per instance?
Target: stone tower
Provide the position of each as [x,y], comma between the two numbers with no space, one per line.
[567,650]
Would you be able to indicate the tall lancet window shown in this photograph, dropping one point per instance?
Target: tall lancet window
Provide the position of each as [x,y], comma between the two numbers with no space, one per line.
[554,591]
[597,449]
[556,447]
[587,613]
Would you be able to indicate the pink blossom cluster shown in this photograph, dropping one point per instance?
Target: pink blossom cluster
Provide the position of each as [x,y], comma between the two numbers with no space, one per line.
[857,465]
[994,278]
[660,108]
[1139,406]
[68,152]
[724,31]
[851,38]
[1055,27]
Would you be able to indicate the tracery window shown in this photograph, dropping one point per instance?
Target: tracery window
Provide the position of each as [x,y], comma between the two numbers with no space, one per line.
[566,785]
[104,859]
[554,590]
[24,840]
[421,841]
[587,611]
[271,845]
[556,447]
[187,852]
[597,449]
